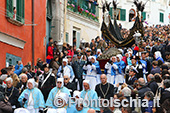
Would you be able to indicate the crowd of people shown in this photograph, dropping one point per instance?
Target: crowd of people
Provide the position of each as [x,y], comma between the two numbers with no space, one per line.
[141,72]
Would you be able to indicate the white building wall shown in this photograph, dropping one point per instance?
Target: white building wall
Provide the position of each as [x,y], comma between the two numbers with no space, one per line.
[153,9]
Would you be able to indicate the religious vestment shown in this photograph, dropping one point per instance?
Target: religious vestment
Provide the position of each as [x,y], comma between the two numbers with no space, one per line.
[90,95]
[34,98]
[52,95]
[105,91]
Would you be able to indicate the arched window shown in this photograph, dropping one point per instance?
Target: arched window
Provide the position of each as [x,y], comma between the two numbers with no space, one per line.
[132,14]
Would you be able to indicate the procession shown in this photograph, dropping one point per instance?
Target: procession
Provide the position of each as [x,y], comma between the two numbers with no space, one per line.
[121,71]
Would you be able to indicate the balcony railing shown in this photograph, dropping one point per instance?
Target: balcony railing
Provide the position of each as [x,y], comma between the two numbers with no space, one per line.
[86,8]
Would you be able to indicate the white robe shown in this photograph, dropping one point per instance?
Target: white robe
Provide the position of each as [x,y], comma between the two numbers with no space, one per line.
[91,75]
[59,110]
[30,106]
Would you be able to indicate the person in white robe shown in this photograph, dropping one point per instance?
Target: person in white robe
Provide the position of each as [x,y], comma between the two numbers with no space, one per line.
[32,98]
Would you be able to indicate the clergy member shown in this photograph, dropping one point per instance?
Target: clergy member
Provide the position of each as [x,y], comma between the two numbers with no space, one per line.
[104,90]
[55,92]
[32,98]
[89,94]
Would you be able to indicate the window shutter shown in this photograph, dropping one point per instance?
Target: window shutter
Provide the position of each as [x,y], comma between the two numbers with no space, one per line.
[144,15]
[123,14]
[23,11]
[9,8]
[18,10]
[161,17]
[111,12]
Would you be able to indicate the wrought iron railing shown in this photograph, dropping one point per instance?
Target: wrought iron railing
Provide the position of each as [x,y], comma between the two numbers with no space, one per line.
[86,8]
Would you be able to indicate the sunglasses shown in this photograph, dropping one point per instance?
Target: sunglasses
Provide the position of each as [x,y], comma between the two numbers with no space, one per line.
[59,82]
[65,78]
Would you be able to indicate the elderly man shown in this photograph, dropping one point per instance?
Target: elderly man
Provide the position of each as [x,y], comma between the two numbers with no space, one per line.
[142,89]
[46,81]
[22,85]
[151,83]
[11,93]
[89,94]
[166,92]
[65,69]
[32,98]
[52,97]
[71,86]
[104,90]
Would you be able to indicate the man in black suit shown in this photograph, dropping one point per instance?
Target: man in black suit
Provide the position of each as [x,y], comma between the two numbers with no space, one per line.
[11,93]
[71,86]
[166,91]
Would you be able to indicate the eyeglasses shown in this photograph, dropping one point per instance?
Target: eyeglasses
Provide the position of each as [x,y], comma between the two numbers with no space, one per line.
[65,78]
[59,82]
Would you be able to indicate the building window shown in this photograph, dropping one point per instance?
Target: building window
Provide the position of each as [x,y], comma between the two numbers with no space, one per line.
[12,59]
[16,10]
[161,17]
[123,14]
[76,35]
[132,14]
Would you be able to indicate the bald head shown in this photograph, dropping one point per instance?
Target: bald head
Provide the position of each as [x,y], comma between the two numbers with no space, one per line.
[103,79]
[91,111]
[141,82]
[150,77]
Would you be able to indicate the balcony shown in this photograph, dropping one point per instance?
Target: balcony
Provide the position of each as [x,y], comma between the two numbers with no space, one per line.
[86,8]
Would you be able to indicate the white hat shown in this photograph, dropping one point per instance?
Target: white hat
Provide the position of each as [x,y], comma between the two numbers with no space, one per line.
[65,60]
[86,81]
[31,81]
[119,56]
[61,80]
[76,93]
[3,77]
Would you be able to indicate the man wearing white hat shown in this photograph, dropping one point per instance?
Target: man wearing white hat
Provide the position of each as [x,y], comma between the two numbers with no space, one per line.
[61,104]
[53,95]
[65,69]
[89,94]
[32,98]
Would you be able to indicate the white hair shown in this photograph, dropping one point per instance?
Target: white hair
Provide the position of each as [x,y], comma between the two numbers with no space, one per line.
[9,79]
[126,91]
[22,75]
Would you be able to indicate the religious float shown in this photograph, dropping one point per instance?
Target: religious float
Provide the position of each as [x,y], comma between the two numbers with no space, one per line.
[112,32]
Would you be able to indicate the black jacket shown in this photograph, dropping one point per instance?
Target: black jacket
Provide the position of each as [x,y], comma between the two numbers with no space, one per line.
[153,86]
[142,90]
[12,94]
[48,85]
[164,95]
